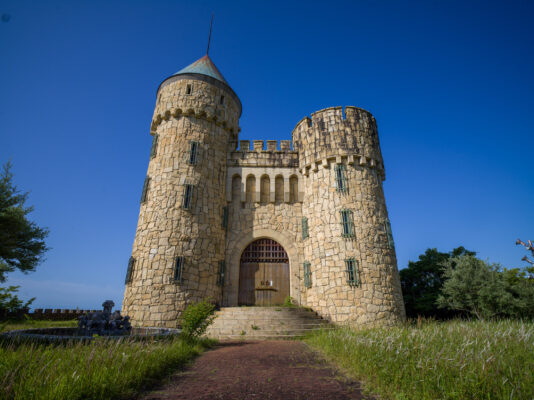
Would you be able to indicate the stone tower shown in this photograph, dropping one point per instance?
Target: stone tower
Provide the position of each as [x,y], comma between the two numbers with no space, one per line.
[180,241]
[350,247]
[255,225]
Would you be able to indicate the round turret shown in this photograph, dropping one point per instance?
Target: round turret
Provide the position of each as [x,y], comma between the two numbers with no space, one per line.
[178,252]
[350,268]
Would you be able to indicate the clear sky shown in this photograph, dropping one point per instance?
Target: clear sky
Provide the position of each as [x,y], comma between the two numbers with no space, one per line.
[450,83]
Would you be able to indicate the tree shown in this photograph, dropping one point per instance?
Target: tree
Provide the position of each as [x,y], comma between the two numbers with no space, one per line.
[22,243]
[529,246]
[485,290]
[422,282]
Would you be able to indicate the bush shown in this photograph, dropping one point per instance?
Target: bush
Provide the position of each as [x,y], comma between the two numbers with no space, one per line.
[196,318]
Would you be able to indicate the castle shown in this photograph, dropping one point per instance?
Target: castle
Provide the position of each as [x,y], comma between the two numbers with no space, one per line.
[253,225]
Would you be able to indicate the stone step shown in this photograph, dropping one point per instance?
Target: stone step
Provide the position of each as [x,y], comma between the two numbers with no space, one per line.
[262,323]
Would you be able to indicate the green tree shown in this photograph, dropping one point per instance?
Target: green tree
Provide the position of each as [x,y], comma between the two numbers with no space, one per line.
[22,244]
[485,290]
[422,281]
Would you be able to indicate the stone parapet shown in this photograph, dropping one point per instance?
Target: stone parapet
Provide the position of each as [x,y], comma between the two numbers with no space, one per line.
[329,133]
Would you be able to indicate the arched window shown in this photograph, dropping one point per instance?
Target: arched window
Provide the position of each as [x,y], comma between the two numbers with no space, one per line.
[279,189]
[251,188]
[265,189]
[236,188]
[293,189]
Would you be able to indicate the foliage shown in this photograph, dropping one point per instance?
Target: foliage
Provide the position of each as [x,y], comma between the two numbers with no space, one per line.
[22,243]
[453,360]
[422,280]
[289,302]
[485,291]
[103,369]
[9,302]
[196,318]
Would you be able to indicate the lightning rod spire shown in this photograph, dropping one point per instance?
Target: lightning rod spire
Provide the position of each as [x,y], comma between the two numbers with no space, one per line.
[209,38]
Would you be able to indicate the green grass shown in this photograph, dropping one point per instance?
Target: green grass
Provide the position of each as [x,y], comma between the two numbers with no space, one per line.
[102,369]
[437,360]
[11,325]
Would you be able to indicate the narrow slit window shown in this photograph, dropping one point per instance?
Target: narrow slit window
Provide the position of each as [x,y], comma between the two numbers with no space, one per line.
[347,224]
[224,222]
[221,273]
[222,99]
[188,89]
[129,271]
[389,234]
[341,178]
[193,153]
[305,232]
[154,148]
[307,274]
[188,197]
[351,267]
[178,269]
[144,194]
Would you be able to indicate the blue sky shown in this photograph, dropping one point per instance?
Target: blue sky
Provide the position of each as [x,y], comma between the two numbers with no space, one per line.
[450,83]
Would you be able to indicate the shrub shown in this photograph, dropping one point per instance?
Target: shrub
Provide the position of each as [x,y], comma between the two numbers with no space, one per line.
[196,318]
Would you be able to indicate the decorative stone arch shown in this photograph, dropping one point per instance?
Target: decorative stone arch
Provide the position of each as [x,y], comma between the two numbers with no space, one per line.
[235,250]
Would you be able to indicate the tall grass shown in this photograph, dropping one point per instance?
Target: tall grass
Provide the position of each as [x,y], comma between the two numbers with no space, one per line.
[102,369]
[456,360]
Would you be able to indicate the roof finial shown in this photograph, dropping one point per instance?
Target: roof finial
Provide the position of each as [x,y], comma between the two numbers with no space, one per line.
[209,38]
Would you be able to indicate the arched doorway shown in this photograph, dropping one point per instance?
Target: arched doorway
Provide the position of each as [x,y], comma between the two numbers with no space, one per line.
[263,274]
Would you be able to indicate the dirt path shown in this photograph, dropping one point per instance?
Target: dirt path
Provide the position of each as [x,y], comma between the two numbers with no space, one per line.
[272,370]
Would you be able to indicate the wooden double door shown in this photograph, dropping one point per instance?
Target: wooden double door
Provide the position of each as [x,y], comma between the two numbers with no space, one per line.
[263,274]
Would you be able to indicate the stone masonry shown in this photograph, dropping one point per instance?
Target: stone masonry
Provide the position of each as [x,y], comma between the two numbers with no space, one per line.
[235,194]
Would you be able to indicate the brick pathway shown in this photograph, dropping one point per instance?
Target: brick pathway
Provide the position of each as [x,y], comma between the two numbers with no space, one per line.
[271,370]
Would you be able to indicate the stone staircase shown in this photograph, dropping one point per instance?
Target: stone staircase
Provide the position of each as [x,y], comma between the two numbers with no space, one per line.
[264,323]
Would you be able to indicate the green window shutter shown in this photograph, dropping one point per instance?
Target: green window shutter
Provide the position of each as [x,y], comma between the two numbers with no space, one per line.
[129,271]
[389,234]
[347,224]
[187,201]
[224,222]
[305,233]
[351,268]
[144,194]
[307,274]
[221,274]
[193,153]
[341,178]
[178,269]
[154,148]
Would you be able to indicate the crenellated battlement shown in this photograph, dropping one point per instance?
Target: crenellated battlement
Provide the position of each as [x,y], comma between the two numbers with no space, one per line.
[258,146]
[334,132]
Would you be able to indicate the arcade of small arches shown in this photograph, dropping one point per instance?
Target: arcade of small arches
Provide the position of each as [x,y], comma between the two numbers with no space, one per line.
[263,185]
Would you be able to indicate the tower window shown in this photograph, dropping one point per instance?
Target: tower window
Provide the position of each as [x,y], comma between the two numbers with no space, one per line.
[304,227]
[187,201]
[221,273]
[341,178]
[347,224]
[193,153]
[154,148]
[307,274]
[224,222]
[144,194]
[351,267]
[222,100]
[129,271]
[178,269]
[389,234]
[188,89]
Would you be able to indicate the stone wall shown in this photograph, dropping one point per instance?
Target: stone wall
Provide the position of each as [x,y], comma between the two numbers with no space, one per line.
[165,229]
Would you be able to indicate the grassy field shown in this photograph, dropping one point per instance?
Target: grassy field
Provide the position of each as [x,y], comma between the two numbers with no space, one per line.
[437,360]
[12,325]
[103,369]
